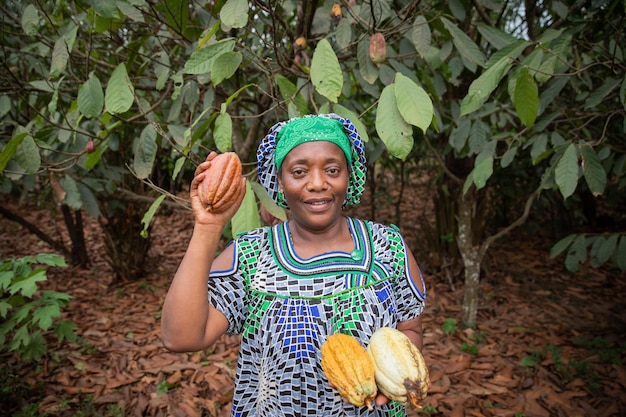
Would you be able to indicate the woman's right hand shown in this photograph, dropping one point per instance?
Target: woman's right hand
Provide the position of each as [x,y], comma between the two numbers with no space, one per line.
[223,216]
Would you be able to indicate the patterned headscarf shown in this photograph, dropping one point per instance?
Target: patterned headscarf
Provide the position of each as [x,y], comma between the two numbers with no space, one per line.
[267,163]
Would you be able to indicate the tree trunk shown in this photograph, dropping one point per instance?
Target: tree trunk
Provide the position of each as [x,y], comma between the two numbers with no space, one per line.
[472,255]
[74,225]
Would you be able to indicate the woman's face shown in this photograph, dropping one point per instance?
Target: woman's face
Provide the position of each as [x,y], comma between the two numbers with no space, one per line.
[314,178]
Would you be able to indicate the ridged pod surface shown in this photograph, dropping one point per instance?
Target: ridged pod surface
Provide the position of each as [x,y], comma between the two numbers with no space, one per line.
[219,187]
[349,369]
[401,373]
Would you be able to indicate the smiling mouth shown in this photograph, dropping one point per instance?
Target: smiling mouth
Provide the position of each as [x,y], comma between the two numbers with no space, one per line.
[318,203]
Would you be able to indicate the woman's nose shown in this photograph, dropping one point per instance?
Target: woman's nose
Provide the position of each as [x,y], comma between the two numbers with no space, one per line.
[317,180]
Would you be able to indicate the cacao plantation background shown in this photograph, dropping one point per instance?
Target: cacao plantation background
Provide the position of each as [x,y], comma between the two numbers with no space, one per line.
[494,136]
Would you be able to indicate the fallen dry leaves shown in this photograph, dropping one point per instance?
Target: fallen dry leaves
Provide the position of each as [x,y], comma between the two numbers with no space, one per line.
[525,358]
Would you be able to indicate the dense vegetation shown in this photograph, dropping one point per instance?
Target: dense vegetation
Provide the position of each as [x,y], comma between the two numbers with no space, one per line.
[508,107]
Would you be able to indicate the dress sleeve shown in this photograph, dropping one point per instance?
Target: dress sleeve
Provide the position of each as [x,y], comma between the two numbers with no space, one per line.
[410,300]
[227,291]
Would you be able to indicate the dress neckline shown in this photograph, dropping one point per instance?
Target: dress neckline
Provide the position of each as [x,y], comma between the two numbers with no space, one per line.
[287,258]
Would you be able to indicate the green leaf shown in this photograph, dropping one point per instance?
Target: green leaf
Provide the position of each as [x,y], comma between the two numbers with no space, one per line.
[460,134]
[5,105]
[35,349]
[267,201]
[367,68]
[481,88]
[27,155]
[30,20]
[478,136]
[146,149]
[120,94]
[28,285]
[72,195]
[51,259]
[561,245]
[43,85]
[60,56]
[576,254]
[326,74]
[45,316]
[496,37]
[395,133]
[607,249]
[130,11]
[413,102]
[566,172]
[594,172]
[508,157]
[234,13]
[289,92]
[225,66]
[599,94]
[247,217]
[62,48]
[464,44]
[343,33]
[105,9]
[89,201]
[537,151]
[65,330]
[148,215]
[482,172]
[162,69]
[526,98]
[4,309]
[223,133]
[449,326]
[201,60]
[421,36]
[91,97]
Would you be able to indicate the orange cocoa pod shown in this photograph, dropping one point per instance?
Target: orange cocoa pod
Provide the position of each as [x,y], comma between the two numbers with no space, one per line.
[349,369]
[221,183]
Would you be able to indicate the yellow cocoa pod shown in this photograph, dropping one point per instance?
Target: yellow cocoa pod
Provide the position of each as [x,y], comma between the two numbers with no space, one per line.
[222,180]
[349,369]
[401,373]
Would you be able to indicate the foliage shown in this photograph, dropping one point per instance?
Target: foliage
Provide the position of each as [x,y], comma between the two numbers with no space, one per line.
[26,311]
[115,99]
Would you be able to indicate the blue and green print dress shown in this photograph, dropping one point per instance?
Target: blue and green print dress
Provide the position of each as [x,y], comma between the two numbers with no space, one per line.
[285,307]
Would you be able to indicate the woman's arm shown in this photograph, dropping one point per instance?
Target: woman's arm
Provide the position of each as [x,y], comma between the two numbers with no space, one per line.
[413,328]
[188,321]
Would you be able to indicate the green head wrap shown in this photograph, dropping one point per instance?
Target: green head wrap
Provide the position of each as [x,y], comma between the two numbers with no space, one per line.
[310,129]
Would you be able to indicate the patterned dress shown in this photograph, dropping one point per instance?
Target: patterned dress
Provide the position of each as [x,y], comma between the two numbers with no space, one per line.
[285,307]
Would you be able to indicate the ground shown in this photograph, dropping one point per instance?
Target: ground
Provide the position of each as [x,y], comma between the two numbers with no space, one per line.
[547,342]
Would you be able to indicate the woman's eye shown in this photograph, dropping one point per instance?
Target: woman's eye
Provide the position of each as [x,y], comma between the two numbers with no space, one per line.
[298,172]
[333,171]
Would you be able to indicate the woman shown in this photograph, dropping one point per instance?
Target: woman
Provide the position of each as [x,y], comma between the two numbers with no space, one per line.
[286,288]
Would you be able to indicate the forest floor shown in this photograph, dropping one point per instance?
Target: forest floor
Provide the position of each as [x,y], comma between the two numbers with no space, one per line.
[547,342]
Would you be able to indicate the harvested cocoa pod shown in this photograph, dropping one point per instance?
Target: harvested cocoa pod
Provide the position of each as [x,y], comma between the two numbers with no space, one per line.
[221,183]
[400,370]
[349,369]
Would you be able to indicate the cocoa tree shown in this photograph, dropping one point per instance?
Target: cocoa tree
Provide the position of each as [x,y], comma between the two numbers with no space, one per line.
[112,102]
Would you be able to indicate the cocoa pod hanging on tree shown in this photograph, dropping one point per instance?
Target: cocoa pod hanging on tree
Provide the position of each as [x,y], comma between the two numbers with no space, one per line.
[378,48]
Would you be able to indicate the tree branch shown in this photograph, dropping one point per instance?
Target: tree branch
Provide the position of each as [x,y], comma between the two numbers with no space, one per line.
[58,246]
